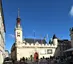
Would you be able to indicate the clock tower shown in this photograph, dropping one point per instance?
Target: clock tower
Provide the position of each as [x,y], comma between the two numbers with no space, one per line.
[18,30]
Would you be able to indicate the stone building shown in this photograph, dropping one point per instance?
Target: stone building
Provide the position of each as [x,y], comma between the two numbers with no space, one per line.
[71,35]
[70,50]
[6,53]
[2,34]
[28,47]
[62,46]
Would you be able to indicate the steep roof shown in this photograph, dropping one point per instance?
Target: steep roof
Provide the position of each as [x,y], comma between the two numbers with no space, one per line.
[30,40]
[54,36]
[50,42]
[66,42]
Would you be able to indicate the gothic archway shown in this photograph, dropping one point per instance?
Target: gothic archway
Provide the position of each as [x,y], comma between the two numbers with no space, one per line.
[36,56]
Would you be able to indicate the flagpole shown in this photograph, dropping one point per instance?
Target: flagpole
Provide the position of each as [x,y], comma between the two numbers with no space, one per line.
[41,39]
[34,36]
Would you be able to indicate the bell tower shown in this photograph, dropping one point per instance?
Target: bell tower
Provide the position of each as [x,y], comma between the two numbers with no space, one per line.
[18,30]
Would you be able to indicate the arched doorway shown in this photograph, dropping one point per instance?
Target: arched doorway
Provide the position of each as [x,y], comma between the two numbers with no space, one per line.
[36,56]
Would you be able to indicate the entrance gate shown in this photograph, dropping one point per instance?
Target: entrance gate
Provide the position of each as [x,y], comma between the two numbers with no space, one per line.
[36,56]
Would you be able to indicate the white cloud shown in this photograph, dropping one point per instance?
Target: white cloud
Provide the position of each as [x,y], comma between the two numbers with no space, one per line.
[11,35]
[71,11]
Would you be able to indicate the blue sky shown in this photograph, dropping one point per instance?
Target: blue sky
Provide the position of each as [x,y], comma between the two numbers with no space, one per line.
[42,16]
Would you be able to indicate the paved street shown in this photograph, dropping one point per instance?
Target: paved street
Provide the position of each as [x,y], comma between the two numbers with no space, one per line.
[43,61]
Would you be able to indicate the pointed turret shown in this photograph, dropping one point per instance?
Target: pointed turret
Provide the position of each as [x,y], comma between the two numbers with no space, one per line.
[55,40]
[18,19]
[54,36]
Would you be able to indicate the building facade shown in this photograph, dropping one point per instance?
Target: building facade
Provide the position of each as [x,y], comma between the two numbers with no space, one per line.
[71,35]
[29,47]
[2,34]
[6,53]
[62,46]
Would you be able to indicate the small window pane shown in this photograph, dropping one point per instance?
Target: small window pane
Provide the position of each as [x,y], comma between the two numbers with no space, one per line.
[49,51]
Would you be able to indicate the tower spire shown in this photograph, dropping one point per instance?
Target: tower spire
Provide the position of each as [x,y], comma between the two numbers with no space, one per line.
[18,18]
[18,13]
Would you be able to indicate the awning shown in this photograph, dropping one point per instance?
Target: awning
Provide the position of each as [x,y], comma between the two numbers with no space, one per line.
[69,50]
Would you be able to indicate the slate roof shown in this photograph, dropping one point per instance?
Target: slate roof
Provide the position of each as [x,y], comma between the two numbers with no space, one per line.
[54,36]
[31,40]
[50,42]
[66,42]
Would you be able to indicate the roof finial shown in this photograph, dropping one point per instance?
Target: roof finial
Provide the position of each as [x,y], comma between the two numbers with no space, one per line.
[18,13]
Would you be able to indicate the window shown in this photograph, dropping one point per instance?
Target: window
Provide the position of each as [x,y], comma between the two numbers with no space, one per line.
[18,34]
[42,52]
[49,51]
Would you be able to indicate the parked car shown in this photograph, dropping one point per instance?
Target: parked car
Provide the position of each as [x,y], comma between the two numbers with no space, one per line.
[7,60]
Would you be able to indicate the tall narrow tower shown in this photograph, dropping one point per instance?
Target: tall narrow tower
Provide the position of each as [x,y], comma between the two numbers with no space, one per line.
[18,30]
